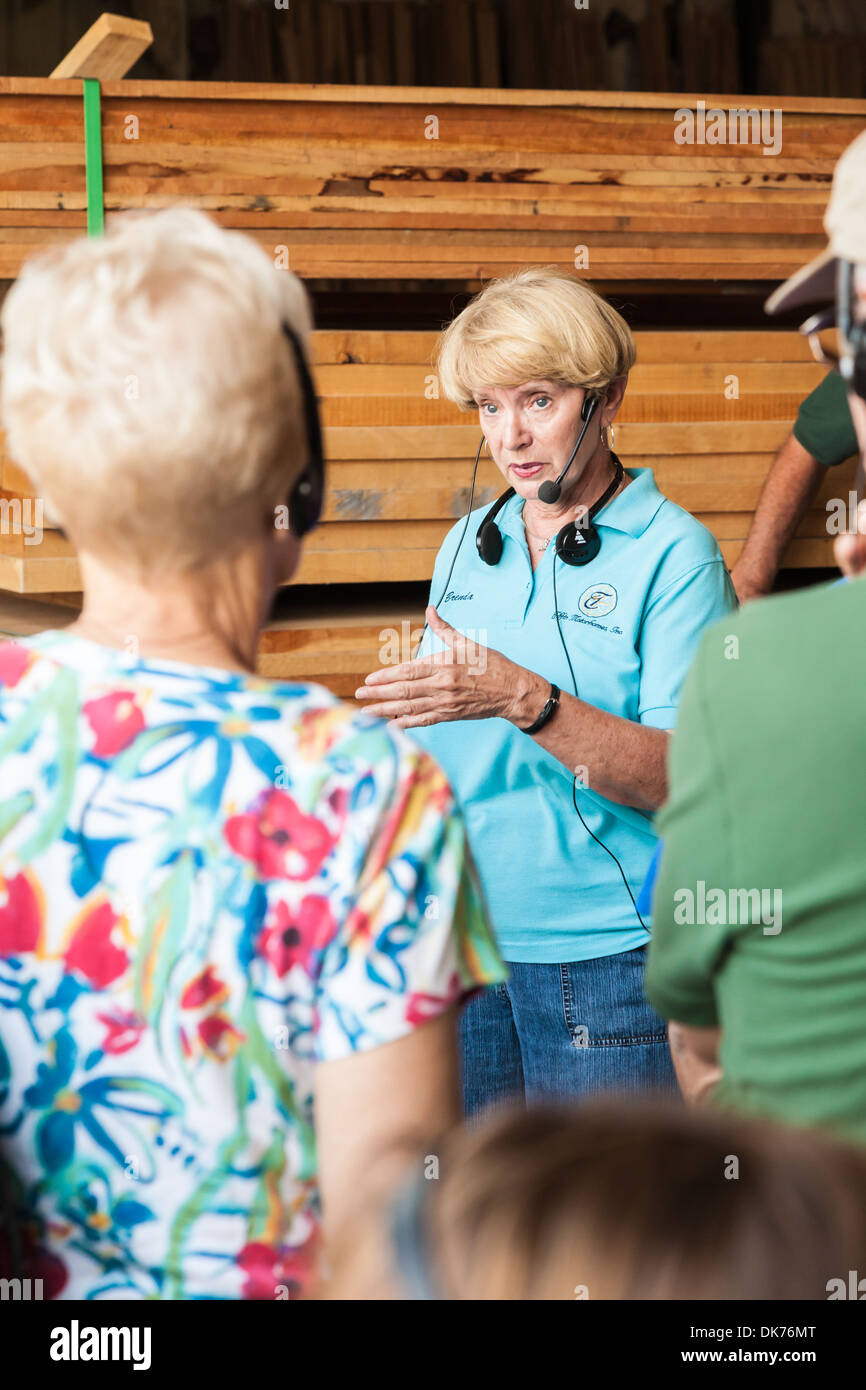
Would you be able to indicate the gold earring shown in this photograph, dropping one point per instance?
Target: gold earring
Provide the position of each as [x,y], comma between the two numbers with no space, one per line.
[607,436]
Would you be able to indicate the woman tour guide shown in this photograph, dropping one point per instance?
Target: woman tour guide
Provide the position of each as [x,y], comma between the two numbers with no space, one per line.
[585,591]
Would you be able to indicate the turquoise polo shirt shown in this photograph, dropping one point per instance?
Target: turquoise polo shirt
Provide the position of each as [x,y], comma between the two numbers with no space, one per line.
[632,620]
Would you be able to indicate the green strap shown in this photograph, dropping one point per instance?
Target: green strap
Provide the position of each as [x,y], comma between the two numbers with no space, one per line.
[93,157]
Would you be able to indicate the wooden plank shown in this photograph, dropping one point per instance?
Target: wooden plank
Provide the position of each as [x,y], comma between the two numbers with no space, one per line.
[22,616]
[449,245]
[671,346]
[433,442]
[29,575]
[12,258]
[637,408]
[32,575]
[360,379]
[432,475]
[458,96]
[109,48]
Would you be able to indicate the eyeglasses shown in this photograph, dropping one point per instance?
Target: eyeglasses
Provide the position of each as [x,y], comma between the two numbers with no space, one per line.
[822,323]
[839,317]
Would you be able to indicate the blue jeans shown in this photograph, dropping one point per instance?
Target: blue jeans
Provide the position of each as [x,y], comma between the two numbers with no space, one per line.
[552,1032]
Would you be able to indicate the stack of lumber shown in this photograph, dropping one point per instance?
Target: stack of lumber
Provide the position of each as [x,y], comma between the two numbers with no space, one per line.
[344,186]
[400,465]
[366,183]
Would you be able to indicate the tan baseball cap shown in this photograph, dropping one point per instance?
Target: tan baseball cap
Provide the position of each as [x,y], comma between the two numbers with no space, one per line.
[845,224]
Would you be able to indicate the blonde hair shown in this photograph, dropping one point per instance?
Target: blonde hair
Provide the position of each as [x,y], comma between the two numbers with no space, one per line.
[542,322]
[149,391]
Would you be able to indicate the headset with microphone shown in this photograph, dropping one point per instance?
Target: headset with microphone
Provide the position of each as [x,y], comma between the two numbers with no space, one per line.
[573,546]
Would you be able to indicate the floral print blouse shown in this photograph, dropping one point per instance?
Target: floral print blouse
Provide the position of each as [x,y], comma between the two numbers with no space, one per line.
[209,883]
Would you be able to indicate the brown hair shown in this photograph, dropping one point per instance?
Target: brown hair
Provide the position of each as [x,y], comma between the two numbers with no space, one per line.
[645,1201]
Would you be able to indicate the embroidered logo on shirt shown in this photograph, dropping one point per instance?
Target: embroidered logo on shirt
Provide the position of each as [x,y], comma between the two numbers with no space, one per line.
[598,601]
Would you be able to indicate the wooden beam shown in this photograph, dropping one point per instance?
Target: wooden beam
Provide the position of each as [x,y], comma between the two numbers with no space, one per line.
[108,50]
[352,93]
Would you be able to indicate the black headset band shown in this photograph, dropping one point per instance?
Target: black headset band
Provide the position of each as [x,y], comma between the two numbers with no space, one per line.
[497,506]
[307,496]
[608,492]
[564,534]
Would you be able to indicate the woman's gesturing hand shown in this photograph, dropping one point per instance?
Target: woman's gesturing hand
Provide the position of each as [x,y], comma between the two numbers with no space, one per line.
[466,681]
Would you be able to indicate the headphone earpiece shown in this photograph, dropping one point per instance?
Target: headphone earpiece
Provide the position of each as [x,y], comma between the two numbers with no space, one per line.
[489,542]
[306,498]
[576,545]
[589,407]
[488,537]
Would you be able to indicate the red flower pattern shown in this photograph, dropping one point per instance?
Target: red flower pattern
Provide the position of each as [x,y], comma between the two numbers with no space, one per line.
[14,661]
[93,950]
[20,916]
[206,988]
[115,719]
[279,838]
[422,1007]
[219,1036]
[294,937]
[268,1269]
[124,1031]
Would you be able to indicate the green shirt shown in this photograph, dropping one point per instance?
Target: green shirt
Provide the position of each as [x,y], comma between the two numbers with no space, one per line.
[824,426]
[768,793]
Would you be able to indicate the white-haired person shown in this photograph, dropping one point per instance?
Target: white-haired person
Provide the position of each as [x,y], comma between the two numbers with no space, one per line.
[546,685]
[224,992]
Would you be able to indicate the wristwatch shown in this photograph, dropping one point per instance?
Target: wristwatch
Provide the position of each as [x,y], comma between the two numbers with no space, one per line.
[546,713]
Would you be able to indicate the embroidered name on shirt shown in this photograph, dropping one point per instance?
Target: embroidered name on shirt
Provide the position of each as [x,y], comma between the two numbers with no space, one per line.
[455,598]
[588,622]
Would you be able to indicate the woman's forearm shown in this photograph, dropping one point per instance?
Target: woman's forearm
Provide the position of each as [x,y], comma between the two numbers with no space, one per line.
[617,758]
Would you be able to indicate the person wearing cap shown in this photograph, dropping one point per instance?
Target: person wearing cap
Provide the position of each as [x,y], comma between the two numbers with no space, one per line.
[758,952]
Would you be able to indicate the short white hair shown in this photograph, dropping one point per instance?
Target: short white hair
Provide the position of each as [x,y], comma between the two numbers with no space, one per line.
[149,391]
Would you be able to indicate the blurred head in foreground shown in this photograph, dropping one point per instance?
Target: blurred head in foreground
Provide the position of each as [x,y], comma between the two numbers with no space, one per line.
[616,1201]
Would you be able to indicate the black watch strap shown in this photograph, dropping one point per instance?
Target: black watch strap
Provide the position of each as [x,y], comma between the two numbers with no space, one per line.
[546,713]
